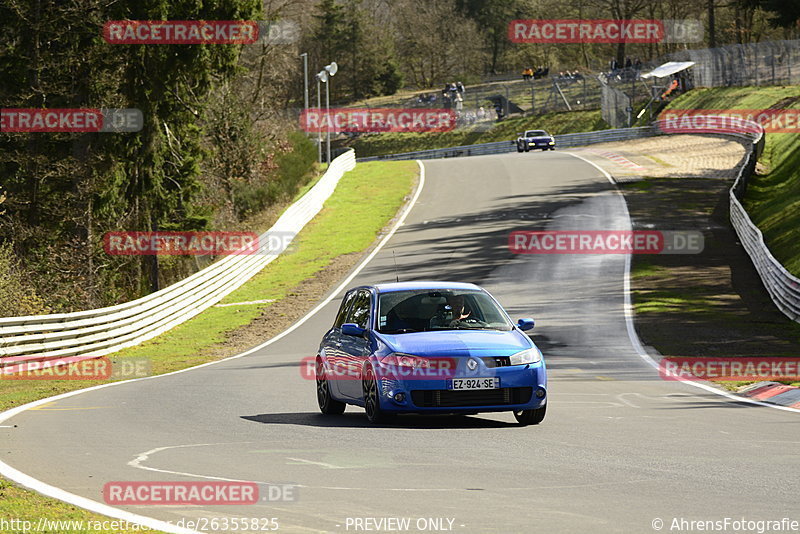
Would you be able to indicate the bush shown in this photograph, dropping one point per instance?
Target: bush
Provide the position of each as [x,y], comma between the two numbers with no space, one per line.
[17,296]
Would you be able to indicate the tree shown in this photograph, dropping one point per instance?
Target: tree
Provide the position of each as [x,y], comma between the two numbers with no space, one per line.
[785,13]
[434,42]
[492,18]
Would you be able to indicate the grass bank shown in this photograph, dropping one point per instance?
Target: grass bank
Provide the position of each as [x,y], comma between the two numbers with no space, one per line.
[773,195]
[364,202]
[487,132]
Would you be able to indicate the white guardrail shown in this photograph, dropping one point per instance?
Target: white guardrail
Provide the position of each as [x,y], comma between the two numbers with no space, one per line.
[783,287]
[63,338]
[502,147]
[68,337]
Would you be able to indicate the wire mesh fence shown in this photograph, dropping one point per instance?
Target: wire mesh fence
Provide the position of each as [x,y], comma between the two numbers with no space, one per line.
[488,102]
[758,64]
[766,63]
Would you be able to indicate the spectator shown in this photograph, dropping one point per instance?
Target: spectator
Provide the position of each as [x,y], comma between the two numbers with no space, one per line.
[460,88]
[498,108]
[527,73]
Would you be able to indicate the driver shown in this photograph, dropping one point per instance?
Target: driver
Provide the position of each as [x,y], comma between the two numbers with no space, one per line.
[451,314]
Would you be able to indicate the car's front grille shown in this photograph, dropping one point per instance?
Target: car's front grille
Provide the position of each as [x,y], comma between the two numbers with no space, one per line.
[497,361]
[447,398]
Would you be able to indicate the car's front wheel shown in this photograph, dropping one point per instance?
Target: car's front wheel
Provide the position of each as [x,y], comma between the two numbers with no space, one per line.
[530,417]
[372,404]
[327,404]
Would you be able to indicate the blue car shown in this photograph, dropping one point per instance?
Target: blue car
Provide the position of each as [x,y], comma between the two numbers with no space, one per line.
[429,347]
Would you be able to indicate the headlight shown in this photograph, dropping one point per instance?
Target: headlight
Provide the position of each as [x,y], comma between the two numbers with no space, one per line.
[398,359]
[552,142]
[526,356]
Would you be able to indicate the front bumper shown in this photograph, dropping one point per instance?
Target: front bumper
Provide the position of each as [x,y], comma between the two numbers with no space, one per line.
[542,144]
[521,387]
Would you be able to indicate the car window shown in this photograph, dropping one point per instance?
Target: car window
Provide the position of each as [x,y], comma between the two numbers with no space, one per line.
[359,312]
[535,133]
[402,312]
[346,301]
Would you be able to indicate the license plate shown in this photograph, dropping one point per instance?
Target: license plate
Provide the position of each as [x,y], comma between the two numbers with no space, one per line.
[476,383]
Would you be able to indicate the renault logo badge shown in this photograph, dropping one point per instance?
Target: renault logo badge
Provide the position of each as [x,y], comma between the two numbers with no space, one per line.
[472,364]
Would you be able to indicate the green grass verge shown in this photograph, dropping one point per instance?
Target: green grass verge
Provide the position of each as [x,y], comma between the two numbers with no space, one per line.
[365,200]
[507,130]
[19,505]
[773,195]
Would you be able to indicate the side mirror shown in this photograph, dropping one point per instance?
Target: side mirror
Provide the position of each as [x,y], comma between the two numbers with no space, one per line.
[352,329]
[525,324]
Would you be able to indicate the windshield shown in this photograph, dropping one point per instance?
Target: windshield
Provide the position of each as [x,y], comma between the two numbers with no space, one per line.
[535,133]
[401,312]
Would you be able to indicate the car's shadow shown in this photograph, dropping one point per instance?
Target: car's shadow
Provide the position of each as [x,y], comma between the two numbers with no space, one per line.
[358,420]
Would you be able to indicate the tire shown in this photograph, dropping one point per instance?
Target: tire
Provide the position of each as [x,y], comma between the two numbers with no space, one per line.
[519,149]
[372,405]
[530,417]
[327,404]
[527,149]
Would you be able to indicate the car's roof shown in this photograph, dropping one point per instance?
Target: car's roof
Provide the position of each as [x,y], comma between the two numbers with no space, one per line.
[406,286]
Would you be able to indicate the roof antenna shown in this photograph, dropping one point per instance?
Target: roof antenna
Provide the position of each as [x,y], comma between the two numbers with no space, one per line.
[396,274]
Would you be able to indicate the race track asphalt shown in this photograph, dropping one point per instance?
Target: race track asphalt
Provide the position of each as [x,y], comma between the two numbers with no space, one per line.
[619,447]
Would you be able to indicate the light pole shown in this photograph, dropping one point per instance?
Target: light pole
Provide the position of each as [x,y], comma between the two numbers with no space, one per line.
[330,70]
[322,76]
[304,55]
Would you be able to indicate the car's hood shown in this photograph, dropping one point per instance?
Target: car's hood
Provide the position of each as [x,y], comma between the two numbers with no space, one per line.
[459,342]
